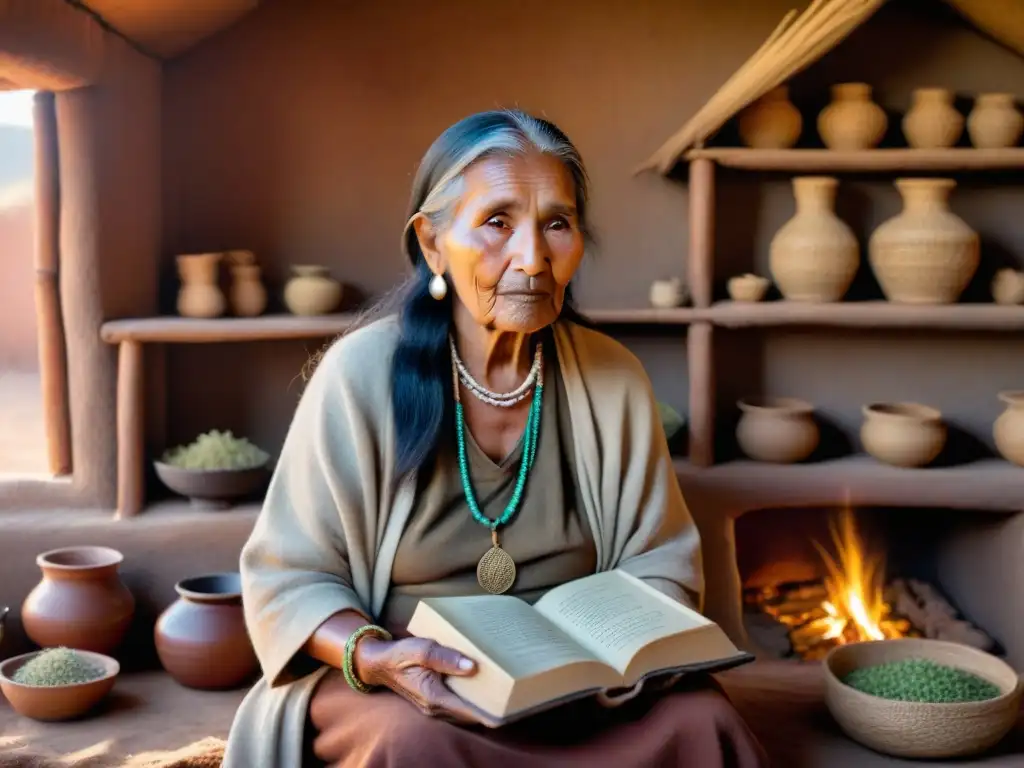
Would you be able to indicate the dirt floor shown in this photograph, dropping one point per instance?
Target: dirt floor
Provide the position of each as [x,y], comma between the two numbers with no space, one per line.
[22,432]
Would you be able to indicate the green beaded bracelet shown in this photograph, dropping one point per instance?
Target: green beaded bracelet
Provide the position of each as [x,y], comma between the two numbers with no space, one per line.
[350,651]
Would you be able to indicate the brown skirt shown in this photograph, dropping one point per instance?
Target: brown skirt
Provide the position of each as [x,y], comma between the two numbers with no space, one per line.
[691,726]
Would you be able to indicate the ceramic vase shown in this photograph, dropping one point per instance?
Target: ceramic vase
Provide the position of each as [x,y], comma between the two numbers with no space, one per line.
[779,430]
[852,121]
[932,122]
[1008,286]
[312,291]
[248,296]
[747,287]
[1008,430]
[200,295]
[995,122]
[926,254]
[771,122]
[201,638]
[80,601]
[903,434]
[814,256]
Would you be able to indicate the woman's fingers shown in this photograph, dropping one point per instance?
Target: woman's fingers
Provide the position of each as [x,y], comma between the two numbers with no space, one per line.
[434,656]
[439,701]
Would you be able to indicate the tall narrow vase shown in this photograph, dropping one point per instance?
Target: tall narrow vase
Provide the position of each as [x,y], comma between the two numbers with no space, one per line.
[926,254]
[814,256]
[200,295]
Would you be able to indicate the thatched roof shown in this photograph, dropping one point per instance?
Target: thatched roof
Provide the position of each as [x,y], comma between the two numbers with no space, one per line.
[803,44]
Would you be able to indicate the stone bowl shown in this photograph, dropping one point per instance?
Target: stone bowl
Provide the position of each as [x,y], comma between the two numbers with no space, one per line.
[57,702]
[919,729]
[214,488]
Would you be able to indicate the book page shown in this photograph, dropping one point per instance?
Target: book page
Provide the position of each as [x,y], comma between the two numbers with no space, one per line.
[615,615]
[514,635]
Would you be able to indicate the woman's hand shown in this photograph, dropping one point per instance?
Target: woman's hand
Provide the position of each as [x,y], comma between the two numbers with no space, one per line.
[414,669]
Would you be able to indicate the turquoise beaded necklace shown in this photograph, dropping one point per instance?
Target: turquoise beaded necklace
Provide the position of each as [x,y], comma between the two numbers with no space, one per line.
[496,571]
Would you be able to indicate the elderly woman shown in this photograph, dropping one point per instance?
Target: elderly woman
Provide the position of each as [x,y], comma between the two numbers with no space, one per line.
[473,416]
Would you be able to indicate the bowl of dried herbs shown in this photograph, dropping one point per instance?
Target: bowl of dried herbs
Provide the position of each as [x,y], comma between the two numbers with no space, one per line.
[57,683]
[921,698]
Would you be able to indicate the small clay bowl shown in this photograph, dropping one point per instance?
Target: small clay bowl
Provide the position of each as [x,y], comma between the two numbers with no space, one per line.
[747,287]
[57,702]
[215,488]
[919,729]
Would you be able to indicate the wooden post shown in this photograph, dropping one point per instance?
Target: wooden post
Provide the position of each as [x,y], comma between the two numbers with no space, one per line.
[130,429]
[53,368]
[701,364]
[700,263]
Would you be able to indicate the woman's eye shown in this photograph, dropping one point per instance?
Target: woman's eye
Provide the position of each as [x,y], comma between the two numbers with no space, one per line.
[496,221]
[559,223]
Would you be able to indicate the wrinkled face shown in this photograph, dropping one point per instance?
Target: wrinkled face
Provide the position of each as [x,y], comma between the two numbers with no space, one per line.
[513,242]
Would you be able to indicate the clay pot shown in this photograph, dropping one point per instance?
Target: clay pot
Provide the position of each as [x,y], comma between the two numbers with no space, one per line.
[667,293]
[747,287]
[814,256]
[852,121]
[903,434]
[80,602]
[200,295]
[248,296]
[201,638]
[780,430]
[932,122]
[1008,430]
[1008,286]
[312,291]
[771,122]
[926,254]
[995,122]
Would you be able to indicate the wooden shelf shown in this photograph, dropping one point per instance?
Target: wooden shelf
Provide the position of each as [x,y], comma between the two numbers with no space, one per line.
[742,486]
[868,314]
[224,329]
[863,161]
[647,316]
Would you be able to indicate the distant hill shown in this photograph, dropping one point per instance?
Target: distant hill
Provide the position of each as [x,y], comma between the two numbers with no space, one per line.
[16,150]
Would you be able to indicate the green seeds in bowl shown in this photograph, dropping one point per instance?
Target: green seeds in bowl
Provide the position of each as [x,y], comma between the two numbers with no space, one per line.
[921,680]
[216,450]
[56,667]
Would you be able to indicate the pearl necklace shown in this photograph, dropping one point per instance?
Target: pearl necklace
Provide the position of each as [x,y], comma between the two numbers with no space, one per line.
[498,399]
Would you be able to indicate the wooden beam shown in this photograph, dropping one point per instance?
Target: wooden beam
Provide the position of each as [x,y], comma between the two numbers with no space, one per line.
[863,161]
[701,258]
[131,449]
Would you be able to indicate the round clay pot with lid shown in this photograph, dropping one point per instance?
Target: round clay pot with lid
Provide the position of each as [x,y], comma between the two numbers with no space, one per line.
[903,434]
[81,602]
[995,122]
[780,430]
[312,291]
[852,121]
[932,121]
[771,122]
[201,638]
[1008,430]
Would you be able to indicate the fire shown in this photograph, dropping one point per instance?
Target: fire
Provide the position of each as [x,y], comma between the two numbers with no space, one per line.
[850,605]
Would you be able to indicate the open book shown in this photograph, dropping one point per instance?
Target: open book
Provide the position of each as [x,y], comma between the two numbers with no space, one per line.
[601,632]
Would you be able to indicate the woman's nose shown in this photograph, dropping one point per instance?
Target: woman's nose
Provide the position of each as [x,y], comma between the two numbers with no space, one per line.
[530,252]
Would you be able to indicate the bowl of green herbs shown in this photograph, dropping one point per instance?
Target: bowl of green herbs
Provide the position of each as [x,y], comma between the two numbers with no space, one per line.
[57,683]
[921,698]
[215,470]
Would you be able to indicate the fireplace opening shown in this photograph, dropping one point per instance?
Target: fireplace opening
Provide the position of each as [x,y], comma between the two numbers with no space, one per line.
[814,579]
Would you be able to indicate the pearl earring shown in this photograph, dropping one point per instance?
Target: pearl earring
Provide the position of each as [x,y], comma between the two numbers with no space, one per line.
[438,287]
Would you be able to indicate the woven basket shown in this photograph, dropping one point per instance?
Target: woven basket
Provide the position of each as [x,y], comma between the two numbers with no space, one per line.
[920,730]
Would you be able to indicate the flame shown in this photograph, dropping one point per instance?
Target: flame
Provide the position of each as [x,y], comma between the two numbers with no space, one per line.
[855,609]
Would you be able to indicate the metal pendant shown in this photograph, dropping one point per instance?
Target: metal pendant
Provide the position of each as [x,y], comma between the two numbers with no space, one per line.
[496,571]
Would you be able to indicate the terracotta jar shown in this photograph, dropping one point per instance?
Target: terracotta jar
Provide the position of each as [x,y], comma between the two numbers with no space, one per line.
[926,254]
[852,121]
[80,602]
[1008,430]
[932,122]
[201,638]
[248,296]
[200,295]
[903,434]
[747,287]
[1008,286]
[312,291]
[995,122]
[814,256]
[780,430]
[771,122]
